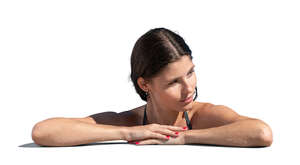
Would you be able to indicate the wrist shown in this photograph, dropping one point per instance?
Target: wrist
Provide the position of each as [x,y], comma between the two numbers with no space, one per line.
[124,131]
[187,137]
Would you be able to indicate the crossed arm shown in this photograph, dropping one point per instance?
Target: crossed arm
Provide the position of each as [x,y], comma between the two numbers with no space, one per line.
[244,133]
[226,128]
[233,130]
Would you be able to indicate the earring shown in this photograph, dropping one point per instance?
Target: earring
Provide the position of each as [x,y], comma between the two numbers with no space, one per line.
[147,94]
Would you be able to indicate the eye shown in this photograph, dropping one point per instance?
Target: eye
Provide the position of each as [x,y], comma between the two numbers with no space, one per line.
[191,72]
[172,82]
[175,81]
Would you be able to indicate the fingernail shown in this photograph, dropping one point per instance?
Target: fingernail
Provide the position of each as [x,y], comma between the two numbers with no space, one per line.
[176,133]
[168,136]
[184,127]
[137,142]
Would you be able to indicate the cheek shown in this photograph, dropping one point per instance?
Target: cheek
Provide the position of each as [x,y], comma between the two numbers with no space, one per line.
[174,93]
[165,94]
[170,94]
[194,80]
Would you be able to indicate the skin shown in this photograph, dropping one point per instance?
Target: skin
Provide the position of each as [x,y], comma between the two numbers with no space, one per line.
[175,82]
[212,124]
[164,107]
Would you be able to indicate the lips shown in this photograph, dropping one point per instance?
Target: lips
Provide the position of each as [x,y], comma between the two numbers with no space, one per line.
[186,99]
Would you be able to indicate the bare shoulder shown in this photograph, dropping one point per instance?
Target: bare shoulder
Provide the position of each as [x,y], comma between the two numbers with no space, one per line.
[200,107]
[132,117]
[126,118]
[209,115]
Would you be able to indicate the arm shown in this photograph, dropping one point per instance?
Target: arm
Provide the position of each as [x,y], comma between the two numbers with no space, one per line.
[220,125]
[68,132]
[243,133]
[230,129]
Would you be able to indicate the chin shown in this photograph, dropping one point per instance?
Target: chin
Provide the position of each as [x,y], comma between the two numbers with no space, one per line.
[186,107]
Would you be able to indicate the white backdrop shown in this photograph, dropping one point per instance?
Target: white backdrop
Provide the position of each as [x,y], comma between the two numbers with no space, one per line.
[72,59]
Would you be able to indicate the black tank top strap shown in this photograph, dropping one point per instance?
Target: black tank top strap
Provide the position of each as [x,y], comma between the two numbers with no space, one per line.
[188,122]
[145,121]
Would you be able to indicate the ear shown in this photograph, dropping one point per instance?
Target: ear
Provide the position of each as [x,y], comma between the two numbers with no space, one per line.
[143,84]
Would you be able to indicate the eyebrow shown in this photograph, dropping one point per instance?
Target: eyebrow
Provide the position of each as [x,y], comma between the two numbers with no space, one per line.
[179,77]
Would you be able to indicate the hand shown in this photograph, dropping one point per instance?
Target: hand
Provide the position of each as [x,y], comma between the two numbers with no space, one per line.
[151,131]
[173,140]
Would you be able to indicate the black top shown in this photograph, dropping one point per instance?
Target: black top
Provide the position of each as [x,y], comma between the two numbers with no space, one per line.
[188,123]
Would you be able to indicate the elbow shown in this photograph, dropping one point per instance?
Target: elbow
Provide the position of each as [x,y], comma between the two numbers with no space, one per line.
[40,134]
[265,135]
[37,133]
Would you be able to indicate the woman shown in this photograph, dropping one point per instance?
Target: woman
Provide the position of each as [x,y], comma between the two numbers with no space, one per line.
[163,75]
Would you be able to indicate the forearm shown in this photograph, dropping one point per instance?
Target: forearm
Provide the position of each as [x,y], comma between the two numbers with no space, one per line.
[68,132]
[243,133]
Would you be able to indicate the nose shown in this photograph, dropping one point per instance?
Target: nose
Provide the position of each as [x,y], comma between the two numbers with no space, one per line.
[187,88]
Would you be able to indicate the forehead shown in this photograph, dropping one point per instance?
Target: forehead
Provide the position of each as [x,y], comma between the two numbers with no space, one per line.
[176,69]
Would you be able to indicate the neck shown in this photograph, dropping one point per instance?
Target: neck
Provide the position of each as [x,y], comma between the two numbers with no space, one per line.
[161,115]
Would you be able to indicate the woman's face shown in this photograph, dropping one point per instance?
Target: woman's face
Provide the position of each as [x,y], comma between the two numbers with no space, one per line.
[176,82]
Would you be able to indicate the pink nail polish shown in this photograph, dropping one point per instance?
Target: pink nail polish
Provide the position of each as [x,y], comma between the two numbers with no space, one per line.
[176,133]
[168,136]
[184,127]
[137,142]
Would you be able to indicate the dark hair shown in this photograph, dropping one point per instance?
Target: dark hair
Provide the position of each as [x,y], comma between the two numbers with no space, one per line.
[152,52]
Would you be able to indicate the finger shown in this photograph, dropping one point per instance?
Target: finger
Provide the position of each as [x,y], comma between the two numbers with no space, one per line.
[150,141]
[158,136]
[168,132]
[174,128]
